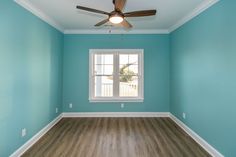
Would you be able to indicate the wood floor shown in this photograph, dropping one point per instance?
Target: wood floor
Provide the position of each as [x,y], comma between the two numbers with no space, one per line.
[116,137]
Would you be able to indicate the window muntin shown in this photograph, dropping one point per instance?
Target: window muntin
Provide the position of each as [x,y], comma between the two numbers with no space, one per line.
[116,75]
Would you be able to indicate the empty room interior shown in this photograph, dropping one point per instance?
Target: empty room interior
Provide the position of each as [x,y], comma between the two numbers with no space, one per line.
[117,78]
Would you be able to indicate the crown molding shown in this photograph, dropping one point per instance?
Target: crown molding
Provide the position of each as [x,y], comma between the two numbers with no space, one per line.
[201,8]
[116,31]
[37,12]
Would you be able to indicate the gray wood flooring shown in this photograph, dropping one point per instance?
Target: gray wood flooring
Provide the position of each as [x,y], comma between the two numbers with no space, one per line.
[116,137]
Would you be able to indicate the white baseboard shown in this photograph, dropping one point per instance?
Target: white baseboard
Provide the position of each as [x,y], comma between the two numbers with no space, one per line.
[211,150]
[35,138]
[115,114]
[189,131]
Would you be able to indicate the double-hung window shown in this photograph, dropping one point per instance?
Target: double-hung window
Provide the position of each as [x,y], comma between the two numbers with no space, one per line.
[116,75]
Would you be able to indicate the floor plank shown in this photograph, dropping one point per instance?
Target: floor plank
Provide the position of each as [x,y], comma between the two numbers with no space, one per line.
[116,137]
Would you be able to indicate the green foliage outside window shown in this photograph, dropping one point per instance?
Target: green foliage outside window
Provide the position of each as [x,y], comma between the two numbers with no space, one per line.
[126,75]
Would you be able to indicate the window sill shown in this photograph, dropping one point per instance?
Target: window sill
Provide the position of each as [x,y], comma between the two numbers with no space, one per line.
[94,100]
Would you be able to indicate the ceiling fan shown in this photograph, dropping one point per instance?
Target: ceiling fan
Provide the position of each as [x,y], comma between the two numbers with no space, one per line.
[117,16]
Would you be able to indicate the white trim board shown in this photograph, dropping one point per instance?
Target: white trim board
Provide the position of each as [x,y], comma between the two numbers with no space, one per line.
[20,151]
[201,8]
[116,54]
[37,12]
[115,114]
[211,150]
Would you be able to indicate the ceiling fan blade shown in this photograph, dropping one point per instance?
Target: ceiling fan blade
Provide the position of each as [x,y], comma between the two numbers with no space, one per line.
[119,4]
[140,13]
[126,24]
[102,22]
[92,10]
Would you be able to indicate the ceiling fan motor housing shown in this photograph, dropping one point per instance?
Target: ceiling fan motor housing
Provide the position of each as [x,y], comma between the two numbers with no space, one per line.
[116,13]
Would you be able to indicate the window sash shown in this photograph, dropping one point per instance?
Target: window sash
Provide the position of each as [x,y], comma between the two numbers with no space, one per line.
[116,76]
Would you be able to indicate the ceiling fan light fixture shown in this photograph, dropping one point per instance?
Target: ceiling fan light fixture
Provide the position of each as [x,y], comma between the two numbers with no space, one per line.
[116,19]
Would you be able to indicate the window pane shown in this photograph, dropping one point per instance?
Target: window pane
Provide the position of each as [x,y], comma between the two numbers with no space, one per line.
[103,59]
[133,59]
[128,86]
[124,59]
[103,70]
[133,69]
[108,59]
[103,86]
[128,64]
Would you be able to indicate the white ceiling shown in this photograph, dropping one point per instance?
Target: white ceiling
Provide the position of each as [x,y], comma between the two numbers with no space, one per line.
[64,16]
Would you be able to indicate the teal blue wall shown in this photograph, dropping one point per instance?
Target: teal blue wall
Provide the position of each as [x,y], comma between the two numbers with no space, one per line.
[203,75]
[76,67]
[30,75]
[202,81]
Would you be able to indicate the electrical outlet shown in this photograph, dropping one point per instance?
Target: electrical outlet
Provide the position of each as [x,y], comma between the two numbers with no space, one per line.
[122,105]
[184,115]
[70,105]
[23,132]
[56,110]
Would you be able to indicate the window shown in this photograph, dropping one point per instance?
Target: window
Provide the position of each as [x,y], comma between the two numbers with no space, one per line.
[116,75]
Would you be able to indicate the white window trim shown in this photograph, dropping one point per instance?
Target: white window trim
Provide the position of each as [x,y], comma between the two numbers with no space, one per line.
[140,98]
